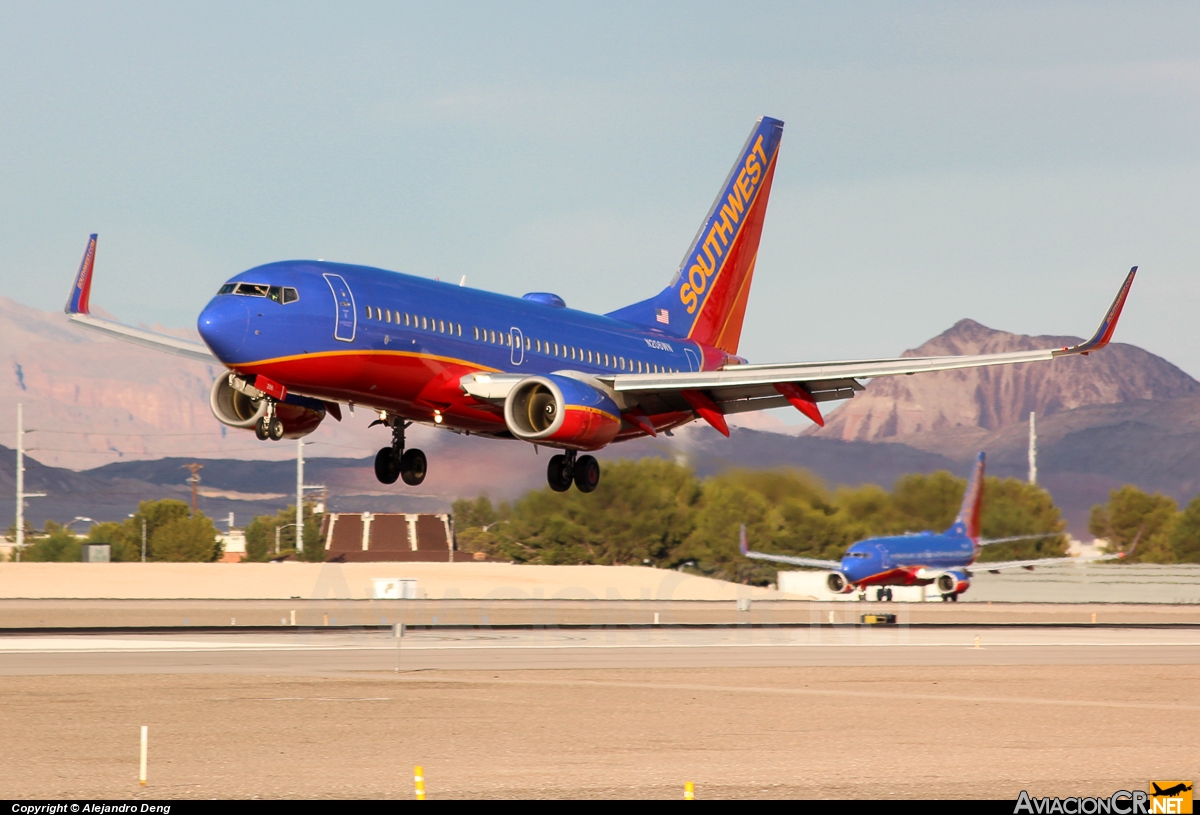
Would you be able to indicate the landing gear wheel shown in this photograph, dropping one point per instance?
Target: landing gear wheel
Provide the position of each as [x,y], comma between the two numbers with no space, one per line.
[413,467]
[260,429]
[587,473]
[560,473]
[387,466]
[881,595]
[275,429]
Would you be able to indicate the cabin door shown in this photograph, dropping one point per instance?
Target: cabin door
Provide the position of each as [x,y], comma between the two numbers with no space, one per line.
[345,315]
[518,345]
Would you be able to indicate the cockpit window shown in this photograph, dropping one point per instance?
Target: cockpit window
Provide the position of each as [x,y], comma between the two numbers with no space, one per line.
[280,294]
[857,554]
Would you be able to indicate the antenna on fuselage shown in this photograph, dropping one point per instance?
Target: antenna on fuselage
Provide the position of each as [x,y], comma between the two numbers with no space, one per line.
[463,282]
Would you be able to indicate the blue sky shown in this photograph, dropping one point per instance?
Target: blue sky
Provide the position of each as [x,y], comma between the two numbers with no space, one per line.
[1005,162]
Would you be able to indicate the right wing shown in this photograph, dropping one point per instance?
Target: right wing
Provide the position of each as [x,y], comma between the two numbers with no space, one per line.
[995,567]
[712,395]
[77,310]
[810,562]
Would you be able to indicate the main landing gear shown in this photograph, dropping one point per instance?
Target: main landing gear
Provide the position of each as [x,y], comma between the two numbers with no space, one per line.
[566,469]
[269,426]
[396,462]
[883,595]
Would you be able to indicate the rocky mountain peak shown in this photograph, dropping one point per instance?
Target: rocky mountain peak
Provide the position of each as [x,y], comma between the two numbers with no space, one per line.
[994,398]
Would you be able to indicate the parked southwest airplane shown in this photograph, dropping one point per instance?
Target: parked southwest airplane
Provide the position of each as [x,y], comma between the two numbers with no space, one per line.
[922,558]
[300,338]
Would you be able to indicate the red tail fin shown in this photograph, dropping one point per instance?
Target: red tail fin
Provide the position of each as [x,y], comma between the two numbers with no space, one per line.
[972,505]
[707,298]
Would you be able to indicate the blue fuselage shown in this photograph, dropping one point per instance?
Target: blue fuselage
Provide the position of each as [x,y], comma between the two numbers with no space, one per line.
[895,561]
[399,343]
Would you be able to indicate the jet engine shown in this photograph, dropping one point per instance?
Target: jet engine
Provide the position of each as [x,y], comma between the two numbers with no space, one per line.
[562,412]
[837,583]
[952,582]
[242,407]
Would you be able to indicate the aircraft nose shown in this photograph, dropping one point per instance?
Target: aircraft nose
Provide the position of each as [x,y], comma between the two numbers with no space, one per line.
[223,325]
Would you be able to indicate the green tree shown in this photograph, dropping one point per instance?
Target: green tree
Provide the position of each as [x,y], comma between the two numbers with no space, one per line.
[260,535]
[1012,507]
[121,547]
[1185,537]
[56,543]
[641,511]
[929,501]
[186,540]
[156,514]
[1130,512]
[470,514]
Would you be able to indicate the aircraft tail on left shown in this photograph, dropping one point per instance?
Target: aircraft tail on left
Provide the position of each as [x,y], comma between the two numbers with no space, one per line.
[78,308]
[81,292]
[967,523]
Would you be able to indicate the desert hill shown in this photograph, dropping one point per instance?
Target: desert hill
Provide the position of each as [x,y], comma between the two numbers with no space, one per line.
[992,399]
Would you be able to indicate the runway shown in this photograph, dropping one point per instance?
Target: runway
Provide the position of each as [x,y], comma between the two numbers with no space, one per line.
[323,653]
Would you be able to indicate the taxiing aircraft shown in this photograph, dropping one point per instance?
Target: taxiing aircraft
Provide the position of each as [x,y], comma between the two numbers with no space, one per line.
[924,558]
[300,338]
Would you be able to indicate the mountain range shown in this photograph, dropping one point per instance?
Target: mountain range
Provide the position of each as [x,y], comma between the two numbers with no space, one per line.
[113,423]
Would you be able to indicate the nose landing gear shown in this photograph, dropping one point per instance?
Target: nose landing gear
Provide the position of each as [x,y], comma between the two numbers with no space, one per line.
[396,462]
[565,470]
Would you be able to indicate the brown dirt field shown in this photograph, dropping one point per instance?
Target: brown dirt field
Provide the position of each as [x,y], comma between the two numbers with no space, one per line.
[829,732]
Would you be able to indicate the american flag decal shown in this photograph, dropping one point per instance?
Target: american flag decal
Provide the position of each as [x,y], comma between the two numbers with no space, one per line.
[662,316]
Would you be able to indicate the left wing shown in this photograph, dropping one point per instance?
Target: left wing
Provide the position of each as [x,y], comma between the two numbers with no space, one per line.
[810,562]
[739,388]
[78,310]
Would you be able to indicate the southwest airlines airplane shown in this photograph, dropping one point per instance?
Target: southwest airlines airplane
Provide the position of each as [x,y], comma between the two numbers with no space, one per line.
[301,338]
[924,558]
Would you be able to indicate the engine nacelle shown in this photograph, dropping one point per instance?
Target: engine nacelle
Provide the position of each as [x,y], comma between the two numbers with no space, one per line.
[562,412]
[838,583]
[239,408]
[952,582]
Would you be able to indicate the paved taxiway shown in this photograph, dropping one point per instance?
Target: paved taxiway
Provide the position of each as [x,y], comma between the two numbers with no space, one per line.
[316,652]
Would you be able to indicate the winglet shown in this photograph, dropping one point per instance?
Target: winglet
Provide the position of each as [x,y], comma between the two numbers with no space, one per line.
[1108,325]
[1133,547]
[742,541]
[81,292]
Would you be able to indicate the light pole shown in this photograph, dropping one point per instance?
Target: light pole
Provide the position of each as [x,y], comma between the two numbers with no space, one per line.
[21,494]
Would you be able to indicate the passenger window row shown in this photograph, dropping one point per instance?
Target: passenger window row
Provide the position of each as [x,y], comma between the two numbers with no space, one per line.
[564,351]
[280,294]
[386,315]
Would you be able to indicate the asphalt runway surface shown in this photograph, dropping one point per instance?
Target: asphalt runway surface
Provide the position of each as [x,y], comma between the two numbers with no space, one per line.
[317,652]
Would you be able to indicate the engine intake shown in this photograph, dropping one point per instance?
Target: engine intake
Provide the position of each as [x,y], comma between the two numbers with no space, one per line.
[837,583]
[952,582]
[236,407]
[561,411]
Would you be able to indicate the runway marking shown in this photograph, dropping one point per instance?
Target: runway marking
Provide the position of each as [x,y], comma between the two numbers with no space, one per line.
[89,644]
